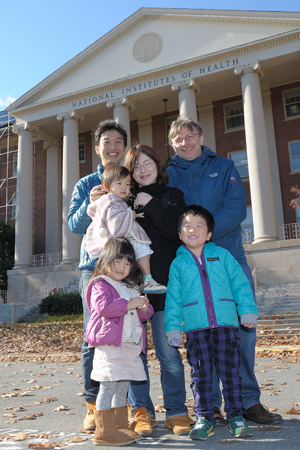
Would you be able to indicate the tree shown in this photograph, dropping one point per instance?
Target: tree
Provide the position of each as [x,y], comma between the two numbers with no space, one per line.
[295,203]
[7,247]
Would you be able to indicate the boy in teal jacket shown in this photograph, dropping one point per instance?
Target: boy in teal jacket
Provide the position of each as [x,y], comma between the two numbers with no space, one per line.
[208,292]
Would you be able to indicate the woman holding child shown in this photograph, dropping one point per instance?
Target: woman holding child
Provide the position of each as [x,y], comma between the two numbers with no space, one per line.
[161,207]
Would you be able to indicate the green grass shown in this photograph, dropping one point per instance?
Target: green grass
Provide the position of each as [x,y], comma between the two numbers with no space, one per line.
[51,319]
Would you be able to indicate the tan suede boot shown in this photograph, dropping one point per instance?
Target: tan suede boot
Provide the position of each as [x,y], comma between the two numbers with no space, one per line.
[141,423]
[89,420]
[122,422]
[106,432]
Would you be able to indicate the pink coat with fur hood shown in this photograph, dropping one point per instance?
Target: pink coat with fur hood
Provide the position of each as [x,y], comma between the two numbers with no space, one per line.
[107,310]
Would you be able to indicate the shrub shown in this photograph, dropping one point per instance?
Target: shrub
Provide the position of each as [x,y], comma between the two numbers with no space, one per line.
[61,304]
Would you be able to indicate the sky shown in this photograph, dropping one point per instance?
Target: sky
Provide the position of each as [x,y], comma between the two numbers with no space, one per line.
[39,36]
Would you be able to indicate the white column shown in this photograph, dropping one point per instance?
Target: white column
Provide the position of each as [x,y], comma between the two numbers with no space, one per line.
[53,196]
[206,122]
[70,176]
[268,112]
[260,180]
[121,114]
[24,203]
[187,98]
[145,132]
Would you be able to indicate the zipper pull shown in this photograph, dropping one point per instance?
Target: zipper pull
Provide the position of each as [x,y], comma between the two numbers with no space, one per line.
[204,273]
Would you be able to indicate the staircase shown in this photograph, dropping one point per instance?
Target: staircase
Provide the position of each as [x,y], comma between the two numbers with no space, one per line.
[279,311]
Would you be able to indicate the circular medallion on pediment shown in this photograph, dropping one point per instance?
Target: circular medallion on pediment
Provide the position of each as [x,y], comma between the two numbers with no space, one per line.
[147,47]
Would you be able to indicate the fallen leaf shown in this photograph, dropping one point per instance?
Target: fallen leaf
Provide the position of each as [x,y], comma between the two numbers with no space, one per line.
[75,439]
[292,411]
[60,408]
[270,427]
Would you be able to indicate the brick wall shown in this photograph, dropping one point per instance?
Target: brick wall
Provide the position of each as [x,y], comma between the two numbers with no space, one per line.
[285,131]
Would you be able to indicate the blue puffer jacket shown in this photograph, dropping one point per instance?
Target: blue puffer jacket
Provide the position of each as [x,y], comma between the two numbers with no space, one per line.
[214,183]
[78,220]
[208,294]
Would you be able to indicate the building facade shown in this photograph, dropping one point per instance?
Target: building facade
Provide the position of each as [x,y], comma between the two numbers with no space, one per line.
[236,72]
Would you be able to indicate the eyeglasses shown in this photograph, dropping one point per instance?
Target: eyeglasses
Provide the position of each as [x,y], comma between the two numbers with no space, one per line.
[145,165]
[189,137]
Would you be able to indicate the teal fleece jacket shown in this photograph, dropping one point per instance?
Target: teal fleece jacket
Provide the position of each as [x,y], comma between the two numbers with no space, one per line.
[207,294]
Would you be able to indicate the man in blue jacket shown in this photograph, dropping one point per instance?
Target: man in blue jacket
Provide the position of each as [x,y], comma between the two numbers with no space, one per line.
[214,183]
[110,144]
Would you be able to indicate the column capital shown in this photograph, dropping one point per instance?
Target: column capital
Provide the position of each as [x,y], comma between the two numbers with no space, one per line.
[186,84]
[71,115]
[122,101]
[248,68]
[25,126]
[55,143]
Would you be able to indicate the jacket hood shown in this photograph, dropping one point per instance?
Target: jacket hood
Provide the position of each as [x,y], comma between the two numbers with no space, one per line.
[183,163]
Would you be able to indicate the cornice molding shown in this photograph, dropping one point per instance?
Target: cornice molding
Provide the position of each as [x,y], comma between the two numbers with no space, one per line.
[116,34]
[208,59]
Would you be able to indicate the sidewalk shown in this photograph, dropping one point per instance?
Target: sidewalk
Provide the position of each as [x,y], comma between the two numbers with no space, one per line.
[40,388]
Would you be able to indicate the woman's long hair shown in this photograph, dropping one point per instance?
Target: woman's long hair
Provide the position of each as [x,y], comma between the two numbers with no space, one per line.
[131,159]
[119,248]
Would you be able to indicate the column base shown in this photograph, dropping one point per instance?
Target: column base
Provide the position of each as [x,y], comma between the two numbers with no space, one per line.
[66,262]
[267,238]
[21,266]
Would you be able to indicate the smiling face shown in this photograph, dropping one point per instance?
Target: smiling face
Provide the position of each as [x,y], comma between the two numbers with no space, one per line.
[194,233]
[190,147]
[119,269]
[145,171]
[120,188]
[111,147]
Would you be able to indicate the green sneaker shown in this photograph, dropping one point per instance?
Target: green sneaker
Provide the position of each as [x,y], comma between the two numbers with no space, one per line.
[239,428]
[202,430]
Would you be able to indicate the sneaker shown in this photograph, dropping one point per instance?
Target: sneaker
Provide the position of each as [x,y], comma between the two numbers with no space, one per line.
[239,428]
[179,424]
[152,287]
[202,430]
[260,414]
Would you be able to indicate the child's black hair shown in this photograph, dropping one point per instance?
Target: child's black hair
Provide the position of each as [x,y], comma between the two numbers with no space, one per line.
[119,248]
[197,210]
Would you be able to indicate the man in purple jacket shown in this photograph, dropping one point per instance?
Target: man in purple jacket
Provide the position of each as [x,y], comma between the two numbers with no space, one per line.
[214,183]
[110,144]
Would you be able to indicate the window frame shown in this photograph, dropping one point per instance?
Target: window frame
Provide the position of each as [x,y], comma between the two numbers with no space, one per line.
[80,140]
[246,178]
[290,156]
[241,127]
[284,93]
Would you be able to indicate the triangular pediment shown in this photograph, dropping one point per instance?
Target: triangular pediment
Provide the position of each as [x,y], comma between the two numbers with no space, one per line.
[152,39]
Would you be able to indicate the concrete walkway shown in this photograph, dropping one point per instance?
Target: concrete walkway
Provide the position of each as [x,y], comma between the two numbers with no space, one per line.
[50,395]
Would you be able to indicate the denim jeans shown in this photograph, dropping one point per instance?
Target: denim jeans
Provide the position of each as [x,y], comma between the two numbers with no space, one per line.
[247,336]
[90,387]
[171,375]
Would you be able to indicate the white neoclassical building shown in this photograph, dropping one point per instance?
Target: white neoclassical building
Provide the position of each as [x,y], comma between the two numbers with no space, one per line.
[236,72]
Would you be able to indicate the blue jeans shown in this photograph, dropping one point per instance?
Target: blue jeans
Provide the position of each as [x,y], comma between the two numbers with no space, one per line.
[171,375]
[247,336]
[90,387]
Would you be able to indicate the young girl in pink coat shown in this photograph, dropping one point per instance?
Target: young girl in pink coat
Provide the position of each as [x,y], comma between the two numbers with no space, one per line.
[115,328]
[111,216]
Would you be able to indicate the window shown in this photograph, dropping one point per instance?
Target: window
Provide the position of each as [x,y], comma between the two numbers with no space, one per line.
[294,148]
[240,162]
[298,215]
[292,103]
[247,227]
[15,165]
[81,150]
[234,116]
[14,205]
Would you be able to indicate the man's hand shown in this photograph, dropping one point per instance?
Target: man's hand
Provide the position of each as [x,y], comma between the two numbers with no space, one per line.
[142,198]
[96,193]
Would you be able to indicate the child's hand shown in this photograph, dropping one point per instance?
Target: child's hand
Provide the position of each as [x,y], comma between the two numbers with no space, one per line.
[96,193]
[249,325]
[136,302]
[145,307]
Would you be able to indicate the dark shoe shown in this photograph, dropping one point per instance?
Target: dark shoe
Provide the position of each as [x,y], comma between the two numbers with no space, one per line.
[260,414]
[219,419]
